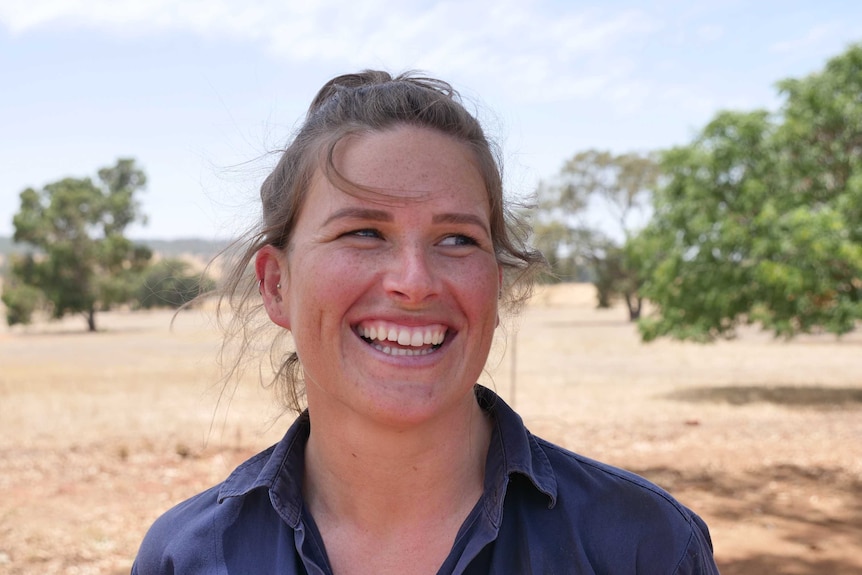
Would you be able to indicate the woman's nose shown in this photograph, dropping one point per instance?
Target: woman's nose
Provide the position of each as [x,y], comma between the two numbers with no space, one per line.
[412,276]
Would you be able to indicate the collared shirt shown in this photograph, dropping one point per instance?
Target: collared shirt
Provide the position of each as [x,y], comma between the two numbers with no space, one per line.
[544,510]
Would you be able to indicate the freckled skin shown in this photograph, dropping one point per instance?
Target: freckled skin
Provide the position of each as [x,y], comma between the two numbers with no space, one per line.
[424,257]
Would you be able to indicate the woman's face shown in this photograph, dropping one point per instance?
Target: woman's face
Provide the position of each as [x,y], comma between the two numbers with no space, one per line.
[392,301]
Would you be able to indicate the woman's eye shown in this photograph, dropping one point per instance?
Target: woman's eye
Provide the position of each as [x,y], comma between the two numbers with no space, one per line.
[458,240]
[364,233]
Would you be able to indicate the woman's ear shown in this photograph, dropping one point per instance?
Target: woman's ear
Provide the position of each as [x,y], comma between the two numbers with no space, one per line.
[271,271]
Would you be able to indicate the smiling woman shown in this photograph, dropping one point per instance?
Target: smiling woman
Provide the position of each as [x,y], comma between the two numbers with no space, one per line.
[421,260]
[387,253]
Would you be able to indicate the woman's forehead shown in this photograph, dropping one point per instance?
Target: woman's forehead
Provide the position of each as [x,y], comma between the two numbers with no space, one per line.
[404,148]
[402,164]
[357,198]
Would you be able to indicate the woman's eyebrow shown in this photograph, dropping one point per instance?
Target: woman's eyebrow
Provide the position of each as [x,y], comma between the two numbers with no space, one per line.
[356,213]
[371,214]
[460,218]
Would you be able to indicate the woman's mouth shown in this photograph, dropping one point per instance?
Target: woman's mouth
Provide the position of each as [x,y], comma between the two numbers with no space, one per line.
[394,339]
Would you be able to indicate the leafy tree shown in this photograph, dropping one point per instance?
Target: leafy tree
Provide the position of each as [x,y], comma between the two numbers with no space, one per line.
[21,300]
[760,218]
[557,241]
[615,189]
[171,283]
[81,262]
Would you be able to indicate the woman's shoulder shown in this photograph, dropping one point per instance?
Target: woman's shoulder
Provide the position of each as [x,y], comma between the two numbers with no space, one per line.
[186,533]
[584,484]
[600,483]
[609,509]
[178,532]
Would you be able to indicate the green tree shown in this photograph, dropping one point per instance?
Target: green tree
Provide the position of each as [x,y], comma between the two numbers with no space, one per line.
[759,219]
[590,213]
[557,241]
[80,260]
[171,283]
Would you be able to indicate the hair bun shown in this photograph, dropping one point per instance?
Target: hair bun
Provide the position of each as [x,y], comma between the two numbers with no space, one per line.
[368,78]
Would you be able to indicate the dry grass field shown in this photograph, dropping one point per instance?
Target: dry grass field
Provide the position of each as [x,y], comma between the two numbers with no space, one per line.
[100,433]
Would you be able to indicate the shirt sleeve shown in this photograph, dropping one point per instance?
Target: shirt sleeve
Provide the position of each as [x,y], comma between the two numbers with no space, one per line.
[698,558]
[182,540]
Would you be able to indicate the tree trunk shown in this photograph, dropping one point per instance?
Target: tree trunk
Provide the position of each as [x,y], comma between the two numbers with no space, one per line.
[91,319]
[634,303]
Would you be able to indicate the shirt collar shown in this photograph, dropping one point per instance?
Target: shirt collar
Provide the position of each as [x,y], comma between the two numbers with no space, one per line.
[279,470]
[513,450]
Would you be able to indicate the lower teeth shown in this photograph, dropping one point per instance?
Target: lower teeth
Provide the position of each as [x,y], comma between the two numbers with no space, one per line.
[403,351]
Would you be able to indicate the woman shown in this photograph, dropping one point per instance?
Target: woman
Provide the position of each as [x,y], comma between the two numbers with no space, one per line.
[387,254]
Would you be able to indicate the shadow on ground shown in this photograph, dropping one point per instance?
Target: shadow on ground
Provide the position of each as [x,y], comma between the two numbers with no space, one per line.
[779,565]
[783,500]
[798,396]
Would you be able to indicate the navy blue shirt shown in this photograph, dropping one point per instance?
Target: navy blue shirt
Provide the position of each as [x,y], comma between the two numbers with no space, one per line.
[545,510]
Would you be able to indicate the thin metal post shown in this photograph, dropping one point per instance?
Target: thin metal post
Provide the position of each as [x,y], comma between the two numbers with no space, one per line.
[513,369]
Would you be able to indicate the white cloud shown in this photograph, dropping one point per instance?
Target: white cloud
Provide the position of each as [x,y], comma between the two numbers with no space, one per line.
[526,47]
[816,35]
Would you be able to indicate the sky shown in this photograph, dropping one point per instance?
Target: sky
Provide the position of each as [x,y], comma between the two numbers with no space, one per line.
[203,92]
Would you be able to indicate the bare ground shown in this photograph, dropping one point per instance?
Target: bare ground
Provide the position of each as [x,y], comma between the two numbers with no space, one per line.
[100,433]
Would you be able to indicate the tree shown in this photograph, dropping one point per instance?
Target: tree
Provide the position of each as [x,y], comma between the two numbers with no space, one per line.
[615,190]
[80,261]
[557,241]
[170,283]
[759,219]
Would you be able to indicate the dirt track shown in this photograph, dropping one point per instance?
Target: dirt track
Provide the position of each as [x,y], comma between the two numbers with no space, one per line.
[100,433]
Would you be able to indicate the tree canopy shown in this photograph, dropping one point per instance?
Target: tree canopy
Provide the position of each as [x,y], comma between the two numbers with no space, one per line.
[171,283]
[80,260]
[759,219]
[616,191]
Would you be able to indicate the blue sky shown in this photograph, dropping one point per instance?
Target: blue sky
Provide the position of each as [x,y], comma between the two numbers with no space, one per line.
[198,91]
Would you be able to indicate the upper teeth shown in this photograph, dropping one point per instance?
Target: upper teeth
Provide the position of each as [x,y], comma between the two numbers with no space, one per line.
[412,336]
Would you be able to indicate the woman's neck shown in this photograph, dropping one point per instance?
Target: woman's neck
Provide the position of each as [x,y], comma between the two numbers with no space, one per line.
[382,478]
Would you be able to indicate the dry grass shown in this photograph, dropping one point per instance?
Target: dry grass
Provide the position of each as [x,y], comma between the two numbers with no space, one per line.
[100,433]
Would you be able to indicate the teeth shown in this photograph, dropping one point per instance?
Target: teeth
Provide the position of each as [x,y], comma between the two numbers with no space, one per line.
[403,336]
[403,350]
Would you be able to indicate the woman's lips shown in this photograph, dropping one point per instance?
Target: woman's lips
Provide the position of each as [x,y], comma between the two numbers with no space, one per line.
[394,339]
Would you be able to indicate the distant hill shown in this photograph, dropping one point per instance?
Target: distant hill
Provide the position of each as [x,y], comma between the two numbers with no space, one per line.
[204,249]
